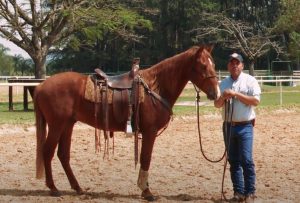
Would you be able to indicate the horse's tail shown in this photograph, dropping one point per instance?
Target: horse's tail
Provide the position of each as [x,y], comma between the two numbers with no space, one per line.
[40,139]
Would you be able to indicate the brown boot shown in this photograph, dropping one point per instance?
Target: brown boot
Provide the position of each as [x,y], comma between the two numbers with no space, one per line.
[250,198]
[237,197]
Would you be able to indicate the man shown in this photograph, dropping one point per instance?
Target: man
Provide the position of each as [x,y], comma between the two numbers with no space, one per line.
[240,94]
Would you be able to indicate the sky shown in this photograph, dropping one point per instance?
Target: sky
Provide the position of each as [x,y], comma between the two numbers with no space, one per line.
[14,49]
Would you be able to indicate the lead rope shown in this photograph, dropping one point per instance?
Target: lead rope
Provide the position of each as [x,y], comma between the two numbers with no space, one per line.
[227,142]
[226,147]
[199,132]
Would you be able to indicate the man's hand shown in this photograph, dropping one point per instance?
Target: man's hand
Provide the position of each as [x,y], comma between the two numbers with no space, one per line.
[228,94]
[248,100]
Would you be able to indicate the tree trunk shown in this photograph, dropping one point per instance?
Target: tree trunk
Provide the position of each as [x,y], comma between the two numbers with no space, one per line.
[251,68]
[40,67]
[164,29]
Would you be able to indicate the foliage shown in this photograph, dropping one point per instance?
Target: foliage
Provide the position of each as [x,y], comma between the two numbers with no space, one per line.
[6,62]
[23,66]
[104,43]
[36,26]
[109,33]
[289,19]
[289,25]
[237,28]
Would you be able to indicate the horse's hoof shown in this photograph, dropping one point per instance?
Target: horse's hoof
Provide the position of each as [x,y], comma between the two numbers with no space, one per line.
[150,198]
[79,191]
[55,193]
[147,195]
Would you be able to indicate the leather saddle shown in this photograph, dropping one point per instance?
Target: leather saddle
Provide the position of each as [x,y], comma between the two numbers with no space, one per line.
[124,94]
[123,81]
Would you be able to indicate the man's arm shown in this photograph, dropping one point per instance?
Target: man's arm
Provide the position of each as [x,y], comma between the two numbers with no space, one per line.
[248,100]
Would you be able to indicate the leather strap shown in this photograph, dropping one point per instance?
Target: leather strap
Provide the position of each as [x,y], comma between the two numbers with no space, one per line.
[157,96]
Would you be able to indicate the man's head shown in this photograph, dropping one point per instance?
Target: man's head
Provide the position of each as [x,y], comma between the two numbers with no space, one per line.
[235,65]
[136,61]
[236,56]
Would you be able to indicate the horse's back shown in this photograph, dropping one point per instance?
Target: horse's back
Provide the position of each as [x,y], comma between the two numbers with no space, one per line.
[58,96]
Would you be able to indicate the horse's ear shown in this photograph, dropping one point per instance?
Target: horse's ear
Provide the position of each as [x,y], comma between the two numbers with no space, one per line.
[209,47]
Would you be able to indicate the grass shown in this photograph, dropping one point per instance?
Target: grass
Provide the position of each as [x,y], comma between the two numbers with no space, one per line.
[270,100]
[18,116]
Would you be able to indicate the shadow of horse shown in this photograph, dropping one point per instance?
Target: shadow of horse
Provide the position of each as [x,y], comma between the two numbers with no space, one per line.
[85,195]
[103,195]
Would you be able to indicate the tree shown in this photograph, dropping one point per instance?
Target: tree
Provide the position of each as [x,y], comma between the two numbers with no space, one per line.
[107,45]
[35,26]
[23,66]
[288,25]
[6,62]
[239,36]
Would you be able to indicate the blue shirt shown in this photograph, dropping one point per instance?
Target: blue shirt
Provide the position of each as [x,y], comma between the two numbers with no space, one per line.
[247,85]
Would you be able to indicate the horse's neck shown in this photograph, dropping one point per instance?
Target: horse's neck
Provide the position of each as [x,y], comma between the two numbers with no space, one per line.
[168,79]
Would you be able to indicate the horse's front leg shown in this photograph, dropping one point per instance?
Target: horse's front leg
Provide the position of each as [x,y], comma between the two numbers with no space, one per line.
[145,159]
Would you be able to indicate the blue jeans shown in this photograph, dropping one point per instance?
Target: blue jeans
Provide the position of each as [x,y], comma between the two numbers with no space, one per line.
[239,144]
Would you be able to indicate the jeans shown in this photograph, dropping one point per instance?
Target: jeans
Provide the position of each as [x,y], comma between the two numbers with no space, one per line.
[239,145]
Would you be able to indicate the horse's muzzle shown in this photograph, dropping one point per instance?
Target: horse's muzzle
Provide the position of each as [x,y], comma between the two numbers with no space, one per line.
[214,93]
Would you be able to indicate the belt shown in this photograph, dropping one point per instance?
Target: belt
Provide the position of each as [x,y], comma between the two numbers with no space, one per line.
[233,123]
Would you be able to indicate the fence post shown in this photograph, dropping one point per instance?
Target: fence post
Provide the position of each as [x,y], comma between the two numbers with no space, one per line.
[280,83]
[10,98]
[25,98]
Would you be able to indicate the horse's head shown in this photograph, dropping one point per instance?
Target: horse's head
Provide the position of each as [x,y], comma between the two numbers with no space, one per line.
[203,74]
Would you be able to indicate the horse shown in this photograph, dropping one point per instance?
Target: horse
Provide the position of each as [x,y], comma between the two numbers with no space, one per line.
[59,103]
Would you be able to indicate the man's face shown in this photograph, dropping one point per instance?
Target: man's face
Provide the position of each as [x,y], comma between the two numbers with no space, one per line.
[235,68]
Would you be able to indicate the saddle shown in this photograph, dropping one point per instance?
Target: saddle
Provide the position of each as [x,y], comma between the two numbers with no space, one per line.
[125,97]
[123,81]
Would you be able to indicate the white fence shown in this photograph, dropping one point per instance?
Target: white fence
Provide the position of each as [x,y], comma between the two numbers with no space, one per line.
[6,78]
[279,83]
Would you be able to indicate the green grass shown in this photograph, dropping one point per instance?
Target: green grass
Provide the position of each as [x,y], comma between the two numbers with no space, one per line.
[270,88]
[270,100]
[18,116]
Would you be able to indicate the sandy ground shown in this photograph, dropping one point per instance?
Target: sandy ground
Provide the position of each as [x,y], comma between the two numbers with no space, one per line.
[178,170]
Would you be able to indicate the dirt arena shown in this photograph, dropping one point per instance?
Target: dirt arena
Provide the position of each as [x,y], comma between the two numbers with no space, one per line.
[178,171]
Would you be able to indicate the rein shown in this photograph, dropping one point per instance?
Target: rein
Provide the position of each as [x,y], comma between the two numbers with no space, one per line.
[199,131]
[201,147]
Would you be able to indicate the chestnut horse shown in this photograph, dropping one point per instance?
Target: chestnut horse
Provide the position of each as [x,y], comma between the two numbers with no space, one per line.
[59,103]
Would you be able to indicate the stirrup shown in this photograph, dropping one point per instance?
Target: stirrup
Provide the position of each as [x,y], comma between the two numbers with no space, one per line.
[129,128]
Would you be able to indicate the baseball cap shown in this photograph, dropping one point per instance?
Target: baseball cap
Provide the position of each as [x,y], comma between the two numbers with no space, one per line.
[236,56]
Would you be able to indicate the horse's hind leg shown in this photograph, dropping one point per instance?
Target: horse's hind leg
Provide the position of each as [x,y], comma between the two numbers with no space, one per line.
[48,153]
[63,154]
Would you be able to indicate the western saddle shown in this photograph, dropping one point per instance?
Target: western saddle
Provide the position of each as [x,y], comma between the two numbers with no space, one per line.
[125,97]
[123,81]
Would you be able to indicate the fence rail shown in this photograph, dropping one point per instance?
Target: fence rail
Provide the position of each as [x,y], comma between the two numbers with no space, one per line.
[292,81]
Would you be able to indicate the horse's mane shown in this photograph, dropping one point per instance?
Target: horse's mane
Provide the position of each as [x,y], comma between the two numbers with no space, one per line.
[165,73]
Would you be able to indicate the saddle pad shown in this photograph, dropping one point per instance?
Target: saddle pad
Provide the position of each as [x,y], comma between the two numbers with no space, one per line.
[89,93]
